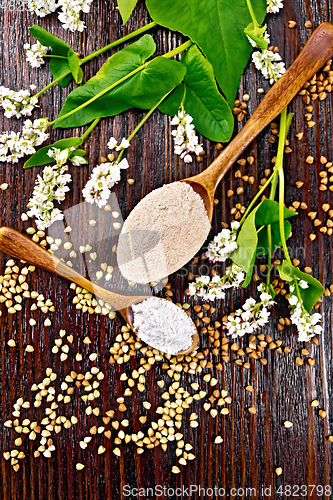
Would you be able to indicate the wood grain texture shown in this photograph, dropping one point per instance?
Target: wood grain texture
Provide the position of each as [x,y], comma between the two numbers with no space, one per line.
[254,445]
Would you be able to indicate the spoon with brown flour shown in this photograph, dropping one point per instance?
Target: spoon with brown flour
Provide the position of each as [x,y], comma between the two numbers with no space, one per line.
[179,214]
[158,322]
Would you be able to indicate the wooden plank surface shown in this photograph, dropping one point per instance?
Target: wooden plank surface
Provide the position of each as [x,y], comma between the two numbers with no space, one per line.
[253,445]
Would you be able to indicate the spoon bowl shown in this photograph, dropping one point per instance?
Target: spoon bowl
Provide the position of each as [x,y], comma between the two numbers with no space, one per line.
[17,245]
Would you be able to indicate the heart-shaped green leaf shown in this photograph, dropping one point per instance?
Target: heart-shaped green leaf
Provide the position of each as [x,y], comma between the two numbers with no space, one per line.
[67,60]
[142,90]
[217,26]
[211,114]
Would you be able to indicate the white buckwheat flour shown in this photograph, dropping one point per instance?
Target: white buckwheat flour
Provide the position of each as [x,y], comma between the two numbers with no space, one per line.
[163,325]
[163,232]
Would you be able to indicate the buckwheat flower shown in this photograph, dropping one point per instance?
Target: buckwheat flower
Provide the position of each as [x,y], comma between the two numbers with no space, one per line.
[273,6]
[17,104]
[223,244]
[70,13]
[307,324]
[269,64]
[14,146]
[35,53]
[103,178]
[50,187]
[42,7]
[251,316]
[123,145]
[184,137]
[112,143]
[215,288]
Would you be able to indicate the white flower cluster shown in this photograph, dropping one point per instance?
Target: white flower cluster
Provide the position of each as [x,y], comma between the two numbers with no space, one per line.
[15,145]
[105,176]
[17,104]
[223,244]
[50,187]
[35,53]
[270,64]
[211,289]
[185,138]
[252,316]
[69,15]
[307,325]
[273,6]
[42,7]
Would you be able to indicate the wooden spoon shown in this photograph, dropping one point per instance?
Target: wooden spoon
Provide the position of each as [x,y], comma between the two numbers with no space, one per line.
[318,49]
[315,53]
[17,245]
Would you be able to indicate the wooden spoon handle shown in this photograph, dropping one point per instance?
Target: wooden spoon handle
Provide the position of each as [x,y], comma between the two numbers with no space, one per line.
[315,53]
[17,245]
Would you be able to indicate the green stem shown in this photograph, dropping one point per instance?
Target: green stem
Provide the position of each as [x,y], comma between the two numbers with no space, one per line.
[176,51]
[173,52]
[144,119]
[53,55]
[253,17]
[256,197]
[98,52]
[52,83]
[89,129]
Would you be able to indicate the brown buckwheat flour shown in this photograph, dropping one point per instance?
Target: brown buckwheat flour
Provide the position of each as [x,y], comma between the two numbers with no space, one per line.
[163,232]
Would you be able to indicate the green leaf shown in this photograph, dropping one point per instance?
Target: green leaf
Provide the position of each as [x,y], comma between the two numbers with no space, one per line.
[74,64]
[249,239]
[268,213]
[309,295]
[247,243]
[59,48]
[211,114]
[257,35]
[249,272]
[41,157]
[217,26]
[77,152]
[126,7]
[262,246]
[143,90]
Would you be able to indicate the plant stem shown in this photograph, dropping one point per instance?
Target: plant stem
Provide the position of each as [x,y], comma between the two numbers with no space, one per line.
[144,119]
[118,82]
[98,52]
[269,180]
[176,51]
[89,129]
[53,55]
[284,126]
[253,17]
[52,83]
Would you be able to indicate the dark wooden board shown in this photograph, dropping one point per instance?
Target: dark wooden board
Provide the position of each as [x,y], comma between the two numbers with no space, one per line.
[254,445]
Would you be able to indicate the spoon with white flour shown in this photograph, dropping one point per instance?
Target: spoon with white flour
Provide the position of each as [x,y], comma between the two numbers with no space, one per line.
[180,213]
[158,322]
